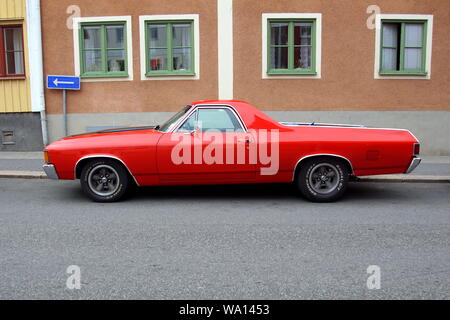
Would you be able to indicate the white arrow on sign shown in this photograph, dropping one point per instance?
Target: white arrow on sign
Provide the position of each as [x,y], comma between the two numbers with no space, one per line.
[56,82]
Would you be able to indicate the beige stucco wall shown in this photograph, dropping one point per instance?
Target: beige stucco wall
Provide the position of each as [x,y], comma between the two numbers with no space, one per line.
[348,50]
[136,95]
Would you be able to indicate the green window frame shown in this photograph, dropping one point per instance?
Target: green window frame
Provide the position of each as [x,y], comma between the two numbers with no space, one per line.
[104,50]
[401,48]
[170,48]
[291,70]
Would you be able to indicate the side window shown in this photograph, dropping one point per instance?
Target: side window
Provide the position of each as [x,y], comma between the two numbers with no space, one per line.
[222,120]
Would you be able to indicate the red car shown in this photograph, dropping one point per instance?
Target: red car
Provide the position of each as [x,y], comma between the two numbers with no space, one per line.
[230,142]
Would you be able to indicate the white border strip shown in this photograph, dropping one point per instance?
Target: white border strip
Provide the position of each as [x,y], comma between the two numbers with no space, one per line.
[225,48]
[195,18]
[378,19]
[318,18]
[76,46]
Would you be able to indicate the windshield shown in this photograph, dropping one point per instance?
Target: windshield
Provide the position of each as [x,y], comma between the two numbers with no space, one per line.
[168,125]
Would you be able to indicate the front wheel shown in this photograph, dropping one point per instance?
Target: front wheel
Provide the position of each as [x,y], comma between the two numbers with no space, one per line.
[104,180]
[323,179]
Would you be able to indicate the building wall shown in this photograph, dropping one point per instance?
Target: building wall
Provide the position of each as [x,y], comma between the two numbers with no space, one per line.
[127,96]
[15,93]
[16,114]
[348,53]
[347,90]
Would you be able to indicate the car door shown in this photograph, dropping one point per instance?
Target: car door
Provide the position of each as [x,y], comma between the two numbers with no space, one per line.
[210,146]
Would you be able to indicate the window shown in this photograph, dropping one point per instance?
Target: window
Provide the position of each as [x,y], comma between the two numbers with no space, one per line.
[169,48]
[11,51]
[103,49]
[291,46]
[213,119]
[403,47]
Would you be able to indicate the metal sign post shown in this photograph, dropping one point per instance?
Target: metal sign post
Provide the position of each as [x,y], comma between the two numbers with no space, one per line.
[64,83]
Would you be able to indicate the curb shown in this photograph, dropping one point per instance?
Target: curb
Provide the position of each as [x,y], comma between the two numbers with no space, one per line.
[405,178]
[381,178]
[23,174]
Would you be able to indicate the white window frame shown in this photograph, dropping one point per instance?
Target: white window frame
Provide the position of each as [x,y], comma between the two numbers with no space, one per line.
[196,25]
[76,46]
[315,16]
[378,19]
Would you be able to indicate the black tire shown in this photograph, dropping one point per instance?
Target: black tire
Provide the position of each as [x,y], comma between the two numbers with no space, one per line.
[104,180]
[323,179]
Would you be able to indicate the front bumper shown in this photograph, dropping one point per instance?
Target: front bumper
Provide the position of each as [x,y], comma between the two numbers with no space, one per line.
[414,163]
[50,171]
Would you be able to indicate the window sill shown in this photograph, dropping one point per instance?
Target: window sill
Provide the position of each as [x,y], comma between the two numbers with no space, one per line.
[105,76]
[167,74]
[287,73]
[13,78]
[406,74]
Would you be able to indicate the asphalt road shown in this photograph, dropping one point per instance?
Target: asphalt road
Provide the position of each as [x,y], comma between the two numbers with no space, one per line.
[234,242]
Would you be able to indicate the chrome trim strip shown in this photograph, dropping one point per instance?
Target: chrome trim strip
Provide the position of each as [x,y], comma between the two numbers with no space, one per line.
[414,163]
[318,155]
[50,171]
[104,156]
[320,124]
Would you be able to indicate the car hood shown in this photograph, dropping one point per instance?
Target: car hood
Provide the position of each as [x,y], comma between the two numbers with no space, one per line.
[112,130]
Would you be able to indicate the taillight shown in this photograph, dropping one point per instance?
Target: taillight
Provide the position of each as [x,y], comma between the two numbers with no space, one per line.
[416,149]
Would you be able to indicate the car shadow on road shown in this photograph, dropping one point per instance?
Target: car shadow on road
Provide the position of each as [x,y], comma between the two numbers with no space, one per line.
[356,191]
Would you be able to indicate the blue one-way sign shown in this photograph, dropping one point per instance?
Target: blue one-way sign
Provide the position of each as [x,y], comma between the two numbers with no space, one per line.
[63,82]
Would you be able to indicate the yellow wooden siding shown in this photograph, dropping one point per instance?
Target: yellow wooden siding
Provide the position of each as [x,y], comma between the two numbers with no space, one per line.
[15,93]
[11,9]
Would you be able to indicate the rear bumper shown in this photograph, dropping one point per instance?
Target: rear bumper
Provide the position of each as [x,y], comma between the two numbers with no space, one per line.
[50,171]
[414,163]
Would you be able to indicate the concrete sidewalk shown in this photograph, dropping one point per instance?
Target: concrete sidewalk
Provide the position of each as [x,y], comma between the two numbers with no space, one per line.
[28,165]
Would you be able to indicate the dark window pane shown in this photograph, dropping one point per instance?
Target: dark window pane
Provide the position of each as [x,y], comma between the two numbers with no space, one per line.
[182,59]
[157,34]
[115,37]
[279,58]
[302,33]
[181,34]
[158,59]
[116,60]
[279,33]
[92,61]
[13,39]
[302,58]
[14,63]
[91,37]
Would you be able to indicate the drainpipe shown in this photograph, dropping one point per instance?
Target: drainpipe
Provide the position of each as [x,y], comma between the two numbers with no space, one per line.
[36,70]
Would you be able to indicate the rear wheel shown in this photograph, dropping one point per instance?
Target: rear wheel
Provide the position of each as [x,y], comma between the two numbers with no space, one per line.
[323,179]
[104,180]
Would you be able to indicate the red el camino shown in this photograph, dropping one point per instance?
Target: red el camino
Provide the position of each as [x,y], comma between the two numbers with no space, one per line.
[230,142]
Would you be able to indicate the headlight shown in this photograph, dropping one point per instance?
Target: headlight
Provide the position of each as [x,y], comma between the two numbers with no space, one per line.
[46,157]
